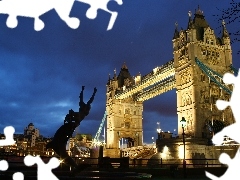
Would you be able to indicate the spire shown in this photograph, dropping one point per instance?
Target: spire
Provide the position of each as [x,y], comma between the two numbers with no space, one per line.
[115,74]
[225,32]
[190,21]
[124,66]
[199,11]
[109,78]
[176,33]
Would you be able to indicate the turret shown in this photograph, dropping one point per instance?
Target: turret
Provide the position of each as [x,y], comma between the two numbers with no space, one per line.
[190,21]
[175,37]
[225,36]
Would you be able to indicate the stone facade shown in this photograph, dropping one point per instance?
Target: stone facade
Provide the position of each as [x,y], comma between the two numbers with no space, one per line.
[124,118]
[196,93]
[197,152]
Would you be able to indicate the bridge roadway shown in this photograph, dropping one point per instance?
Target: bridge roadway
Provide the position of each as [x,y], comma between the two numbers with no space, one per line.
[162,79]
[153,81]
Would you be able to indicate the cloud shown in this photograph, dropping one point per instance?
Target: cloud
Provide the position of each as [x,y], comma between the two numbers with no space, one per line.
[41,73]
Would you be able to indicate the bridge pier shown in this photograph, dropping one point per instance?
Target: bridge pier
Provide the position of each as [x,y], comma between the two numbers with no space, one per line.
[113,153]
[197,151]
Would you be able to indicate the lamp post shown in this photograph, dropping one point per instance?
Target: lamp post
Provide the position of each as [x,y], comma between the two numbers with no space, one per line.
[184,122]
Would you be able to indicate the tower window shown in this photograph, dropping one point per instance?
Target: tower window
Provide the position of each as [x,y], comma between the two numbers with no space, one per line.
[204,52]
[208,52]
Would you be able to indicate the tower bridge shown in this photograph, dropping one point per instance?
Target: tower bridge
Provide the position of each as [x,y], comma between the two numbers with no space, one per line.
[200,58]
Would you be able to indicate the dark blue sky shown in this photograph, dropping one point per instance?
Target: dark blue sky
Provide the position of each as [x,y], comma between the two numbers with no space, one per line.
[41,73]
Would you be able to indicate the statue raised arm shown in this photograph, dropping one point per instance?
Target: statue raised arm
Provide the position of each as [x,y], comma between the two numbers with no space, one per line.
[72,120]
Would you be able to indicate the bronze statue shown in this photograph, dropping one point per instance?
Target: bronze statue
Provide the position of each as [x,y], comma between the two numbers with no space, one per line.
[62,135]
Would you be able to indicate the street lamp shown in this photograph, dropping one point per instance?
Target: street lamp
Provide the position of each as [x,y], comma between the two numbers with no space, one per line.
[184,122]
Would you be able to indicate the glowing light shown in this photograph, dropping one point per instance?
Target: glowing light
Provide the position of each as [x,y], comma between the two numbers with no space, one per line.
[155,70]
[165,152]
[183,122]
[180,152]
[161,74]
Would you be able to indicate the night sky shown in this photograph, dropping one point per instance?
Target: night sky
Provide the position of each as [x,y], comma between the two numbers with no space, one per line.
[41,73]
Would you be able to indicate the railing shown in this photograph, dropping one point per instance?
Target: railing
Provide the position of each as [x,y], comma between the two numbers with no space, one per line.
[157,89]
[131,163]
[162,163]
[150,163]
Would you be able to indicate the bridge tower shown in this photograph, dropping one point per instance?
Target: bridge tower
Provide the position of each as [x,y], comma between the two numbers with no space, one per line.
[124,117]
[196,93]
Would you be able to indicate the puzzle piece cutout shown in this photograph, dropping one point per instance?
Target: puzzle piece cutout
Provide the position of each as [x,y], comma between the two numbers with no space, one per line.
[231,131]
[233,167]
[43,170]
[8,132]
[16,175]
[36,8]
[3,165]
[101,4]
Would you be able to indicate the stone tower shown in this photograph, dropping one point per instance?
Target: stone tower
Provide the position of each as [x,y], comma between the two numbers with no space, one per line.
[124,117]
[196,93]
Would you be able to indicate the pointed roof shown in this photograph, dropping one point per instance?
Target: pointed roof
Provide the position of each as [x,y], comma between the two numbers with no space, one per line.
[199,23]
[199,20]
[199,11]
[30,124]
[124,66]
[124,74]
